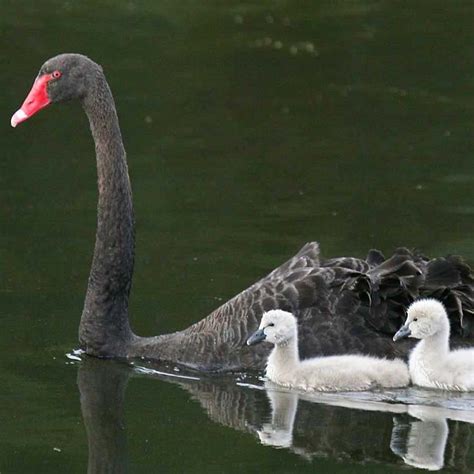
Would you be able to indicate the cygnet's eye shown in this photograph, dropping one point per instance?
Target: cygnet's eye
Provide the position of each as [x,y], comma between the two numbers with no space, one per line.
[270,325]
[56,74]
[415,319]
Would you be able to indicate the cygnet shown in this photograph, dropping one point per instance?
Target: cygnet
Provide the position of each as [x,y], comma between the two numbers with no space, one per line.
[333,373]
[431,363]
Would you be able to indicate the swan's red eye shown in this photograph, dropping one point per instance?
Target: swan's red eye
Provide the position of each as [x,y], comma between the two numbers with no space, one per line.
[56,74]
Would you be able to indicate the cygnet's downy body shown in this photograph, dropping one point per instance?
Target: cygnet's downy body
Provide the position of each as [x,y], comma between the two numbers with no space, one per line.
[432,363]
[334,373]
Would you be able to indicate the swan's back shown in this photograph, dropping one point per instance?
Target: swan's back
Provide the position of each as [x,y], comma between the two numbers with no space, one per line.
[344,305]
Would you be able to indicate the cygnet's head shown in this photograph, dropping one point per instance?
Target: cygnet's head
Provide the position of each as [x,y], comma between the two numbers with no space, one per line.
[276,326]
[425,318]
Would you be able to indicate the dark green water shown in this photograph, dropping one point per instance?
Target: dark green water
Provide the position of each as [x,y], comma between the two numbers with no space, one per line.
[251,128]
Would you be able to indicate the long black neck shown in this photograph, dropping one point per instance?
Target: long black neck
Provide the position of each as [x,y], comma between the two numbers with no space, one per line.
[105,329]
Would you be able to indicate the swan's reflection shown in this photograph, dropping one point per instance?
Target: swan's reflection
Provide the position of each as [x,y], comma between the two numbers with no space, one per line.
[102,390]
[363,433]
[420,439]
[421,442]
[279,432]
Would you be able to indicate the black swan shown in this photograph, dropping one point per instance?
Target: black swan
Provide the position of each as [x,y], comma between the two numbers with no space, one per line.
[342,305]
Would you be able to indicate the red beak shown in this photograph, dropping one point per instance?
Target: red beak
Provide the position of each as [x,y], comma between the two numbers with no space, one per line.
[37,99]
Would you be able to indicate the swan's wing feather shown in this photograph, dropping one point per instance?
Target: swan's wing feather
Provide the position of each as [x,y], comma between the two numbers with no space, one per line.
[374,257]
[343,305]
[366,317]
[350,263]
[449,279]
[307,257]
[448,272]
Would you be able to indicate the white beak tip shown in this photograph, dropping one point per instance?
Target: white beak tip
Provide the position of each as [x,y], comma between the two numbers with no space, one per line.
[18,117]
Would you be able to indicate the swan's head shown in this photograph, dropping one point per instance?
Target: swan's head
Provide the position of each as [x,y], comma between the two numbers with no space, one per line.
[276,326]
[425,318]
[64,77]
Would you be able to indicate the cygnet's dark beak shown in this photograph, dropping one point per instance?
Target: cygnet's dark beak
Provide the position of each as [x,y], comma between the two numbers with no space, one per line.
[404,331]
[256,337]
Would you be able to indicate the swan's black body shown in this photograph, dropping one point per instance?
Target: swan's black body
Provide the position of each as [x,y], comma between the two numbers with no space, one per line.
[342,305]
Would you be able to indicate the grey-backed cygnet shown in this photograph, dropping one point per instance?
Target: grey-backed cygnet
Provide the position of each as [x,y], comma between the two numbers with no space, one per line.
[333,373]
[431,362]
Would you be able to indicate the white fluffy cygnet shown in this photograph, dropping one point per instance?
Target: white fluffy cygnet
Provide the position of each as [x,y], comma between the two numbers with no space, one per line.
[432,363]
[334,373]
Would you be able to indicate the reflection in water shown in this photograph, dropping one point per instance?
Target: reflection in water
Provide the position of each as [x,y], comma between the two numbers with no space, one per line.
[336,426]
[422,442]
[279,432]
[419,440]
[102,390]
